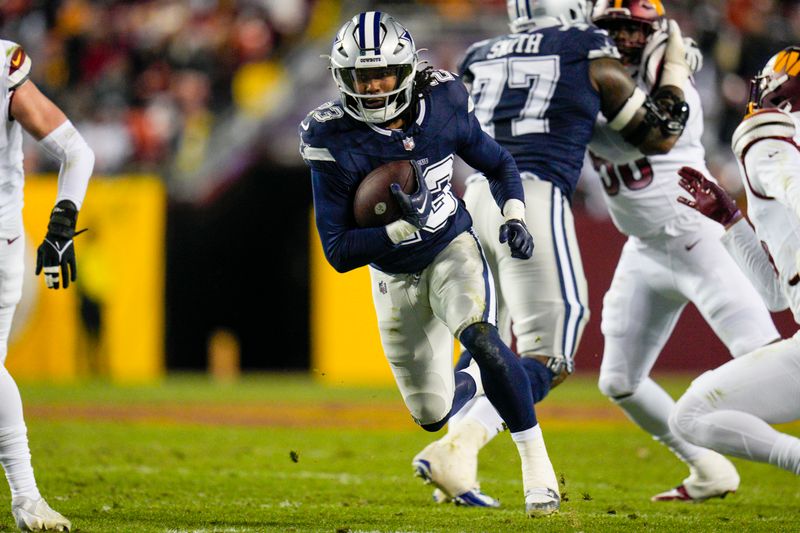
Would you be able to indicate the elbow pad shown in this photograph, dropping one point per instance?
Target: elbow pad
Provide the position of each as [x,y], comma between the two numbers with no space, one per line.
[665,111]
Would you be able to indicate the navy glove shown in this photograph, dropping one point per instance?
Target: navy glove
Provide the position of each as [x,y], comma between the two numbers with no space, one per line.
[519,239]
[416,207]
[57,253]
[707,197]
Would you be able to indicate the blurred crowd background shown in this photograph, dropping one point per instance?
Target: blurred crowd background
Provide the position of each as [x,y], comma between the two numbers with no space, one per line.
[207,95]
[195,89]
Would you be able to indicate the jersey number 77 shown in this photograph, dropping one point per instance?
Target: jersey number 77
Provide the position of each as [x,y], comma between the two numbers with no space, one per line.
[539,75]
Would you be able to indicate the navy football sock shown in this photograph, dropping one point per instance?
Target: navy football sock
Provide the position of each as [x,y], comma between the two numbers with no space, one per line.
[465,391]
[504,379]
[540,376]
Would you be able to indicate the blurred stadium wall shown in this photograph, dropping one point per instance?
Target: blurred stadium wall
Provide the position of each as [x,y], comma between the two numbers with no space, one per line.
[207,95]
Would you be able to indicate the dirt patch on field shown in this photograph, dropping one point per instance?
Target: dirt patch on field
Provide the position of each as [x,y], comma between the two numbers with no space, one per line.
[319,415]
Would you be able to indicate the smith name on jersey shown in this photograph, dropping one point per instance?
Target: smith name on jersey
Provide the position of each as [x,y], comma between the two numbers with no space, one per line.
[341,151]
[533,95]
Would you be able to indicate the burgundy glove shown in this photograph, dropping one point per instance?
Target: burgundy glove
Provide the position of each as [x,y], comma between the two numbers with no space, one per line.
[708,198]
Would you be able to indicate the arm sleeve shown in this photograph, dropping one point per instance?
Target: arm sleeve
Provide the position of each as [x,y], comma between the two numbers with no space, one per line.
[773,169]
[77,162]
[345,246]
[743,245]
[480,151]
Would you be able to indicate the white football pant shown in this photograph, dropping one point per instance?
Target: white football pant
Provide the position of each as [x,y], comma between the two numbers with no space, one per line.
[418,316]
[653,282]
[729,409]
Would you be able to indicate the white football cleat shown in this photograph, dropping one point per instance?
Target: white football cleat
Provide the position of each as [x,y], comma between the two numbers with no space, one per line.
[541,502]
[453,470]
[36,515]
[711,476]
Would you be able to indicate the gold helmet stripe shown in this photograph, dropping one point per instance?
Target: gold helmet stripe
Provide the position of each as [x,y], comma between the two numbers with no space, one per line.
[659,7]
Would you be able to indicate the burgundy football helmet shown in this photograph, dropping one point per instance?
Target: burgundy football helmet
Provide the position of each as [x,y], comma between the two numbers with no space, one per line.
[629,23]
[778,83]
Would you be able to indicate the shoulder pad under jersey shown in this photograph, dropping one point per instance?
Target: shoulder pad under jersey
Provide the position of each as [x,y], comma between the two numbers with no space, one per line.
[17,65]
[763,124]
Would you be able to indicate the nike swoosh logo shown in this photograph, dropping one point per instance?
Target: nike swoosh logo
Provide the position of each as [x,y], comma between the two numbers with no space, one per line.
[16,60]
[11,241]
[773,154]
[690,246]
[424,204]
[305,125]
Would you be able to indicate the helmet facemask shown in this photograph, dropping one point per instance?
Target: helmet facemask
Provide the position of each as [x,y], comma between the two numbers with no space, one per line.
[376,94]
[778,83]
[374,62]
[630,36]
[630,23]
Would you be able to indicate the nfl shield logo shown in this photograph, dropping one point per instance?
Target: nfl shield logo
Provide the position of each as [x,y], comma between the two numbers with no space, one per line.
[382,287]
[408,143]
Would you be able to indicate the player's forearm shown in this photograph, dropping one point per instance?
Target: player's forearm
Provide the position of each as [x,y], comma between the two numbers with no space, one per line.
[743,245]
[77,162]
[355,248]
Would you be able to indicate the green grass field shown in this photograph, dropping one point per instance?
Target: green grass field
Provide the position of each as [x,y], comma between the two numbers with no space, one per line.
[280,453]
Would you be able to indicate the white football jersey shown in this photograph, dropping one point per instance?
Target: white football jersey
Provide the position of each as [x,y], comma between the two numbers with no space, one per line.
[641,191]
[770,169]
[15,68]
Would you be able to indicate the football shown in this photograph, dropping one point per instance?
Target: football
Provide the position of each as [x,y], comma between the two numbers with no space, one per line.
[374,204]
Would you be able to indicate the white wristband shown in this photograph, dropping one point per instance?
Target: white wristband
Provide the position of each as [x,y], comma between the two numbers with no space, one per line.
[624,115]
[514,209]
[400,230]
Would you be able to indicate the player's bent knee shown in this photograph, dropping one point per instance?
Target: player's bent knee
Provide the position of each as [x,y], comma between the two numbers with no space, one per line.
[429,409]
[436,426]
[685,415]
[680,424]
[615,386]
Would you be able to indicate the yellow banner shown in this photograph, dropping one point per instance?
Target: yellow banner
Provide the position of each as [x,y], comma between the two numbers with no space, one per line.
[111,321]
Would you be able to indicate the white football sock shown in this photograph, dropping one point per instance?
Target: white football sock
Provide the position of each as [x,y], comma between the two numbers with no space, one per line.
[537,470]
[15,455]
[484,412]
[649,408]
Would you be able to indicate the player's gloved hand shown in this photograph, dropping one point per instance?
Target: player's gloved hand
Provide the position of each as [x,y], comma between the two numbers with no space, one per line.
[694,57]
[56,254]
[416,207]
[519,238]
[708,198]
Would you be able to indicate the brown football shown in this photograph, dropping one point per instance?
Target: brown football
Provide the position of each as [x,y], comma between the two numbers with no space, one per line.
[374,204]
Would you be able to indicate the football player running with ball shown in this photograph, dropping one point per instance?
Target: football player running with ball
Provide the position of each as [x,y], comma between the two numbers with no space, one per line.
[538,91]
[672,256]
[430,279]
[730,409]
[24,107]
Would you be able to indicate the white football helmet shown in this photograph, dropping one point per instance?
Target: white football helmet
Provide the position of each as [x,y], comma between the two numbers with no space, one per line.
[525,14]
[372,45]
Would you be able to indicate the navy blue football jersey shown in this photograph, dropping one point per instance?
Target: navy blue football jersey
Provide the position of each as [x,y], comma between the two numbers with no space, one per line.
[341,151]
[533,94]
